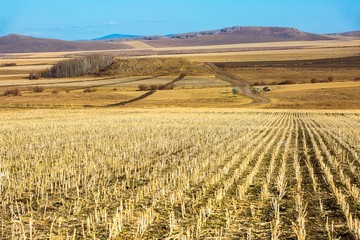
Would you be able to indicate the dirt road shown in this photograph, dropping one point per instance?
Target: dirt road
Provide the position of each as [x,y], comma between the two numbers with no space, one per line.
[240,83]
[145,95]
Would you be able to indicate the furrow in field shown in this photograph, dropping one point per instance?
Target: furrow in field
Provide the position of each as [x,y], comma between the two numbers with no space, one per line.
[342,128]
[234,190]
[250,210]
[193,200]
[341,199]
[181,178]
[347,156]
[283,200]
[345,176]
[315,214]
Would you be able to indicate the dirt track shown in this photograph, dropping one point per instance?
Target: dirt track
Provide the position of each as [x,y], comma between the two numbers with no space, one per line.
[145,95]
[241,83]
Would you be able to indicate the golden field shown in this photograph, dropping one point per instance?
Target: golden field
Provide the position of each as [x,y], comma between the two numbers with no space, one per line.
[95,157]
[179,174]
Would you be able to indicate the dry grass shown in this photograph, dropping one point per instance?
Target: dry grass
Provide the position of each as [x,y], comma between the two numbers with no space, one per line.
[186,96]
[271,55]
[297,75]
[62,98]
[138,45]
[204,97]
[31,61]
[26,67]
[201,81]
[316,96]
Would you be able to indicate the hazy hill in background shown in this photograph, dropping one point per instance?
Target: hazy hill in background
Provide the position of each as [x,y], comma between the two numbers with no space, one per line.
[350,34]
[232,35]
[117,37]
[14,43]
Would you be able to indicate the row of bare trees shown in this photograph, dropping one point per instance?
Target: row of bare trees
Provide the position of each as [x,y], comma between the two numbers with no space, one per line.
[79,66]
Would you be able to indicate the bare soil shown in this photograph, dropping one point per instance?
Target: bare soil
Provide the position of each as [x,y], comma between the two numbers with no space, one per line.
[343,62]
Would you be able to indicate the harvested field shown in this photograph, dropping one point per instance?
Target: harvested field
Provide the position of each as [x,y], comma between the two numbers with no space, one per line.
[193,174]
[194,98]
[275,76]
[108,91]
[297,71]
[55,98]
[344,95]
[201,82]
[272,55]
[342,63]
[31,60]
[28,68]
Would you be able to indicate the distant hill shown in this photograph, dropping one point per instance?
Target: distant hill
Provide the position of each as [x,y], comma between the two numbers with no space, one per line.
[232,35]
[117,37]
[237,34]
[349,34]
[14,43]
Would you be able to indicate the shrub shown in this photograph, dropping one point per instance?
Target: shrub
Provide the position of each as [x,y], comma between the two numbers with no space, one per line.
[154,87]
[286,82]
[37,89]
[313,80]
[259,83]
[143,87]
[34,75]
[167,87]
[8,65]
[357,79]
[171,86]
[12,92]
[89,90]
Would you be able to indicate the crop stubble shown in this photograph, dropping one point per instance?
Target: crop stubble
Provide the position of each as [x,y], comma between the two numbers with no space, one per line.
[189,174]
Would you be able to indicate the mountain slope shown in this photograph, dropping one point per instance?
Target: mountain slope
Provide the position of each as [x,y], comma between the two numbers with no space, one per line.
[14,43]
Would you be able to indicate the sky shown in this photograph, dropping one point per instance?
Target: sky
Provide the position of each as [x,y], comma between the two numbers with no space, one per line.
[88,19]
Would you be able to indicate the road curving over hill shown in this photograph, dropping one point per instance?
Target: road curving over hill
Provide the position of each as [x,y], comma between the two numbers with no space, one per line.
[238,82]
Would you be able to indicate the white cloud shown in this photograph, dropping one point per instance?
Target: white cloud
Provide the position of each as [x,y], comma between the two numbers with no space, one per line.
[111,24]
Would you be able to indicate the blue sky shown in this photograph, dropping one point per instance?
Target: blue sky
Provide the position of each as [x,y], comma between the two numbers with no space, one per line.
[86,19]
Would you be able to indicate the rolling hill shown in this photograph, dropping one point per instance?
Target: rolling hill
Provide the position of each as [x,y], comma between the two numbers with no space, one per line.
[232,35]
[350,34]
[14,43]
[237,34]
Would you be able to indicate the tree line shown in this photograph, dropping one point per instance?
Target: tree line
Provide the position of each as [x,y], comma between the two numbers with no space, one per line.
[79,66]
